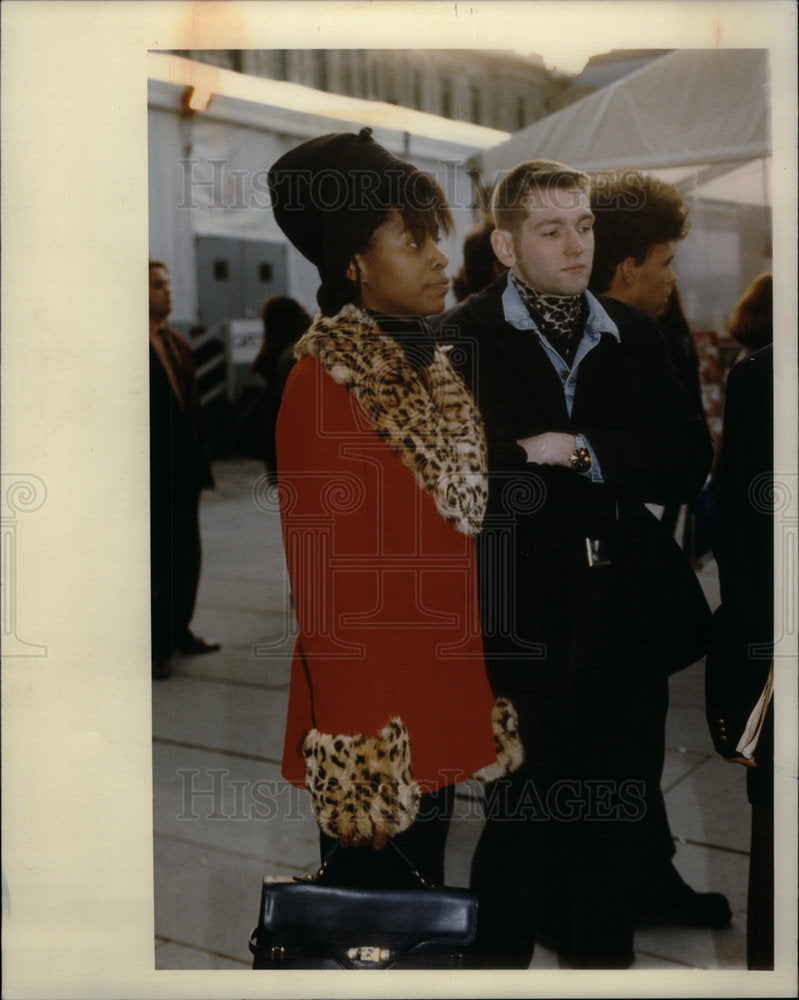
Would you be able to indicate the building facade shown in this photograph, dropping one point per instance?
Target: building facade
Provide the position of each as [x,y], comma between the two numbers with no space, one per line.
[497,89]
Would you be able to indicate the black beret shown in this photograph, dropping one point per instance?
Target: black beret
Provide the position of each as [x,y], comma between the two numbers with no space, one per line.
[330,192]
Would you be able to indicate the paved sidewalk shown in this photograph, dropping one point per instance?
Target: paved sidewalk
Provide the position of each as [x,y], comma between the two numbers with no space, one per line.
[223,817]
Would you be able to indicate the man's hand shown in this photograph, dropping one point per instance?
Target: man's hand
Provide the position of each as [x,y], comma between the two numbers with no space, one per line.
[740,760]
[550,448]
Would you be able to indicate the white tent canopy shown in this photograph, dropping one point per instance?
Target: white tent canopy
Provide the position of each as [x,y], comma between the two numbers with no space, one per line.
[685,110]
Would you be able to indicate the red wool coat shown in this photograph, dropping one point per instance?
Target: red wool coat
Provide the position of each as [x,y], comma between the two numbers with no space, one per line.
[384,592]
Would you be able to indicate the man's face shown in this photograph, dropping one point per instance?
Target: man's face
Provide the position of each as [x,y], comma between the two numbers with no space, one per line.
[554,248]
[160,299]
[654,280]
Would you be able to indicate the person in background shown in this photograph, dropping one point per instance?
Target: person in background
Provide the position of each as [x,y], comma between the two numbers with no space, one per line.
[284,321]
[740,658]
[638,222]
[586,602]
[381,456]
[179,471]
[480,265]
[751,322]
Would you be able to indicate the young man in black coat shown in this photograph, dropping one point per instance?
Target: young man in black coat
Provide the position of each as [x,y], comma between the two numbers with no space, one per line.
[586,604]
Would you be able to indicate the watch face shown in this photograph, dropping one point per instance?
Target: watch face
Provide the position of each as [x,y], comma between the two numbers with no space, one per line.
[580,460]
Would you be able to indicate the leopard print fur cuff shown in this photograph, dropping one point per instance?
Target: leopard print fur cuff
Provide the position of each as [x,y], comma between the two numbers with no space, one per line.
[362,788]
[508,743]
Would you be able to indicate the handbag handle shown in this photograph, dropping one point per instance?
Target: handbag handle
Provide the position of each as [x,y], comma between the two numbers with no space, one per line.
[414,870]
[416,873]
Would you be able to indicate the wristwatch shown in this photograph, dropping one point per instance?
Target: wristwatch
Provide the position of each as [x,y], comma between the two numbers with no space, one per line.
[580,458]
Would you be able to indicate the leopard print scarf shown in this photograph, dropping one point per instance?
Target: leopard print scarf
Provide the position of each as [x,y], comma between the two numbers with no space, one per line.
[559,318]
[435,429]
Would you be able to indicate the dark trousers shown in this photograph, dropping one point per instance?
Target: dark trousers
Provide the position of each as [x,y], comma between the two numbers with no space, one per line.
[174,566]
[571,840]
[423,844]
[556,864]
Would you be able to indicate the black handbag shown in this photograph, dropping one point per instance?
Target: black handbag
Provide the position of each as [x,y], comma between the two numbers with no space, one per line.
[306,923]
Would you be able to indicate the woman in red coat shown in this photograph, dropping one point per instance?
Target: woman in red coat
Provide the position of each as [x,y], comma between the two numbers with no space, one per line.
[382,487]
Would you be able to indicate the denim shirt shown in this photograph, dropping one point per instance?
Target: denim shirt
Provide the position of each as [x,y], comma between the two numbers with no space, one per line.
[597,323]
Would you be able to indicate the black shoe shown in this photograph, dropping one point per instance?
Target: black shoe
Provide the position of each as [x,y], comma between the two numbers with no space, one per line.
[193,645]
[672,901]
[161,668]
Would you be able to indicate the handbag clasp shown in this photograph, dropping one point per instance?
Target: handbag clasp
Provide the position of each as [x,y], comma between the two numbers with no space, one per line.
[369,953]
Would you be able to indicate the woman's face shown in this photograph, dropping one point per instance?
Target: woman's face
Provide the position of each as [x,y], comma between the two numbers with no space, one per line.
[399,276]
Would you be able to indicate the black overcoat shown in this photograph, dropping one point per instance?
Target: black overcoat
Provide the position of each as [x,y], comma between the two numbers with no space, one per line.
[652,447]
[179,470]
[582,650]
[742,648]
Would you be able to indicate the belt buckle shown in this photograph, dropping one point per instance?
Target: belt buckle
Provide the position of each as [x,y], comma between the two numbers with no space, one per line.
[596,550]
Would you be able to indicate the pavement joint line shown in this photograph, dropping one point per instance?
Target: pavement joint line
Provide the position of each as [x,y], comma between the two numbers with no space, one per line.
[232,682]
[204,951]
[201,845]
[663,958]
[711,847]
[239,754]
[689,771]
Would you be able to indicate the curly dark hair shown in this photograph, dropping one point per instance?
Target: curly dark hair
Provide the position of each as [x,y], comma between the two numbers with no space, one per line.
[634,212]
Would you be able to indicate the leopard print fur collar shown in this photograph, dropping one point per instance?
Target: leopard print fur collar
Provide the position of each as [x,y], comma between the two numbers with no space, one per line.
[436,432]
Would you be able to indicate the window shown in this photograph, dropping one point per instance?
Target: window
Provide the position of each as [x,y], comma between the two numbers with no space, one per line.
[446,98]
[320,70]
[417,89]
[346,72]
[477,110]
